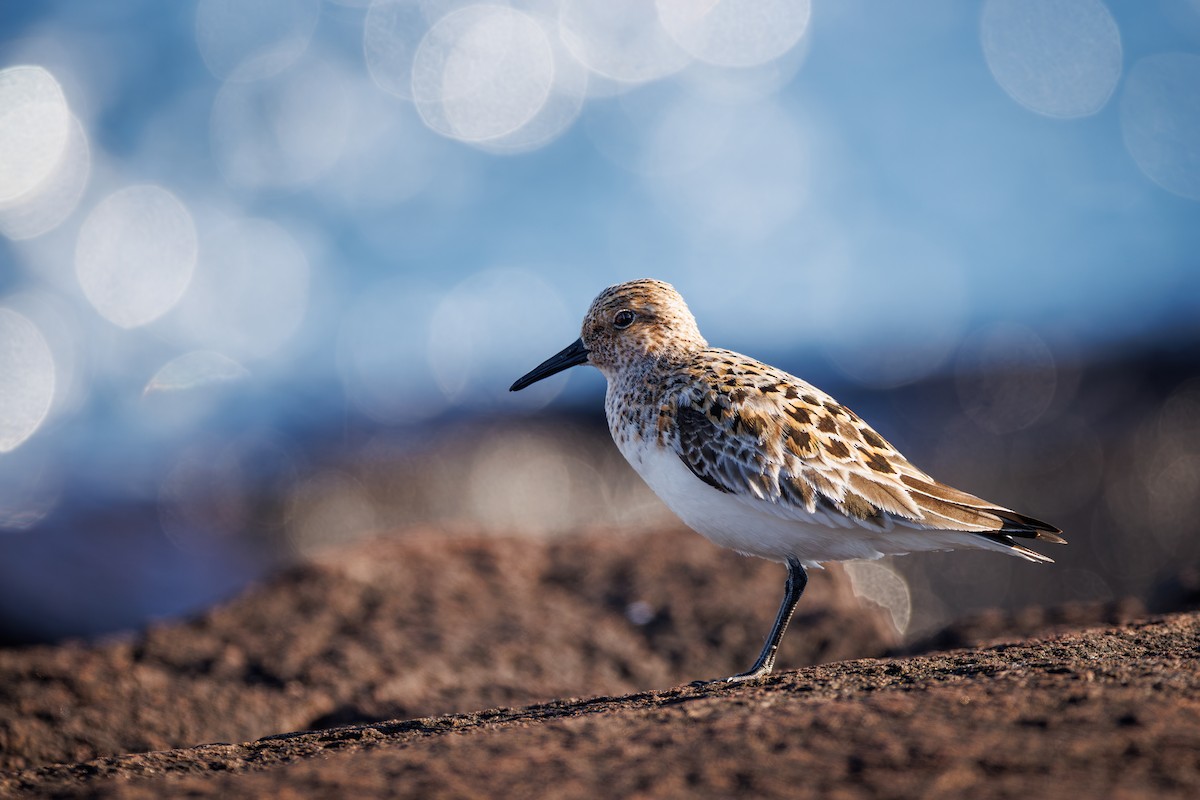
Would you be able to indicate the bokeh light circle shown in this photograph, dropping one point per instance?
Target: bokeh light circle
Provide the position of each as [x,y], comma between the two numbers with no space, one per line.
[283,132]
[392,32]
[567,95]
[27,379]
[35,125]
[31,487]
[1061,58]
[60,324]
[247,41]
[735,33]
[194,370]
[135,254]
[1160,120]
[327,509]
[748,176]
[658,130]
[389,157]
[476,349]
[46,206]
[535,499]
[620,39]
[250,292]
[482,72]
[747,84]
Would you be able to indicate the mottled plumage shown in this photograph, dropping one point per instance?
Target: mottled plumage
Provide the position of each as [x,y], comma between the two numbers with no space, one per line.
[761,461]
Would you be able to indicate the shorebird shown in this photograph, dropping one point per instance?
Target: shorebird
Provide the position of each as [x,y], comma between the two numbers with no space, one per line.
[760,461]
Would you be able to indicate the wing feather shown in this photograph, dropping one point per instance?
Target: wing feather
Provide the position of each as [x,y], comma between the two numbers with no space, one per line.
[784,446]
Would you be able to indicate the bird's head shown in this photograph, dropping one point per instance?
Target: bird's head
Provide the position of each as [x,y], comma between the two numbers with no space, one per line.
[626,324]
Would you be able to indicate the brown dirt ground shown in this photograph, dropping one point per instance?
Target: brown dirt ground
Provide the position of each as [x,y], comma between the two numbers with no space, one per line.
[423,626]
[1105,713]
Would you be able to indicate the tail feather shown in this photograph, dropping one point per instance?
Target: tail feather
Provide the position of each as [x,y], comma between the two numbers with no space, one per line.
[1012,546]
[974,515]
[1028,527]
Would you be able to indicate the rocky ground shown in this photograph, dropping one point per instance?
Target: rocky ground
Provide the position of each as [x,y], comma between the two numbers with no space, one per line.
[381,659]
[421,625]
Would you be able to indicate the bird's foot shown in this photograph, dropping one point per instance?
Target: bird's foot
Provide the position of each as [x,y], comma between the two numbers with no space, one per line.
[742,677]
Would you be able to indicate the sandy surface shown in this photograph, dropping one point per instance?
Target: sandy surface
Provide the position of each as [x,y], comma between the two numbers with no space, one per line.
[1106,712]
[424,625]
[381,658]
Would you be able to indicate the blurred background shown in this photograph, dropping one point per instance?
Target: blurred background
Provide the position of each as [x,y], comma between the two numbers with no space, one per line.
[268,268]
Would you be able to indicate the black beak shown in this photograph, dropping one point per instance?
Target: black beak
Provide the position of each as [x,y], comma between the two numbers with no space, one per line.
[573,355]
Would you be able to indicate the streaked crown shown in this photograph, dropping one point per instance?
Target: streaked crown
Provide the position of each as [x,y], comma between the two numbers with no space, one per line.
[640,319]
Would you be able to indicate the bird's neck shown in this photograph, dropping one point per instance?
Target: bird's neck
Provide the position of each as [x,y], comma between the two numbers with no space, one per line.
[640,392]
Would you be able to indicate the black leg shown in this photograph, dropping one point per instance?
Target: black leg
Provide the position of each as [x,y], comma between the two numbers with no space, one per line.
[797,579]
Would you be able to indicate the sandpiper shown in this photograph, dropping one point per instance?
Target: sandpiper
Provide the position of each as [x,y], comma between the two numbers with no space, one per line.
[760,461]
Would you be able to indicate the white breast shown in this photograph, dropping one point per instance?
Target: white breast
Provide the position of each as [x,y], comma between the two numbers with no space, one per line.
[751,526]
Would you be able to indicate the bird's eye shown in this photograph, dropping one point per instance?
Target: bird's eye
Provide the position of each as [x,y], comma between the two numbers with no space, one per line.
[623,319]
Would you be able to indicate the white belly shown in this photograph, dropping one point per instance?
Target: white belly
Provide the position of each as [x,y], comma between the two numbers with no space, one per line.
[750,526]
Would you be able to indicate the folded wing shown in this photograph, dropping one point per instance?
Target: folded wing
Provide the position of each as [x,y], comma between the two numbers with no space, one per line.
[790,449]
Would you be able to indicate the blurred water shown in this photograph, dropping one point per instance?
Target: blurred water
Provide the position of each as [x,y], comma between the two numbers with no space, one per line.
[234,233]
